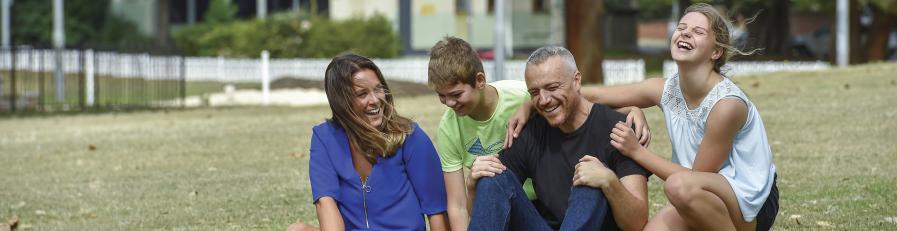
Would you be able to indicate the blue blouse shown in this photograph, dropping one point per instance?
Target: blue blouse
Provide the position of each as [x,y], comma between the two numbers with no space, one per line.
[399,191]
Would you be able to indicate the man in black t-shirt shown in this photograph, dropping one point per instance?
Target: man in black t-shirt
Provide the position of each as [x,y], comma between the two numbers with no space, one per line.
[581,181]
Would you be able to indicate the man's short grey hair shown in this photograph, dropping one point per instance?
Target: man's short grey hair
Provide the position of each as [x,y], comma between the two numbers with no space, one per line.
[544,53]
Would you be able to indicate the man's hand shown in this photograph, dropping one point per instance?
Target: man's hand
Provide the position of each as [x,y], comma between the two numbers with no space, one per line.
[486,166]
[624,139]
[592,173]
[637,117]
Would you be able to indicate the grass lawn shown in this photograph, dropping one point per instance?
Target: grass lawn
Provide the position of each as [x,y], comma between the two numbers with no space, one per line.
[832,132]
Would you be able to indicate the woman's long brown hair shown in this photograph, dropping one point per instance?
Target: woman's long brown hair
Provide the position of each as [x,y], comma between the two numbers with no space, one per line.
[372,141]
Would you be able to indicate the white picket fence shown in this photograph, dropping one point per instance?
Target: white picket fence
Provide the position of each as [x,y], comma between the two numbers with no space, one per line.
[409,69]
[264,70]
[742,68]
[120,65]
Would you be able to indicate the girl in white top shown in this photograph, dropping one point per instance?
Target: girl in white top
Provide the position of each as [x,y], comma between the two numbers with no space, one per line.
[722,176]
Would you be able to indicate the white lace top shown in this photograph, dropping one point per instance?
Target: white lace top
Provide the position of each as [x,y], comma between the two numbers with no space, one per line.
[749,167]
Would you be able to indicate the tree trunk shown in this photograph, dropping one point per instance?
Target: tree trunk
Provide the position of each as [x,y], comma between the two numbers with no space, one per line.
[162,34]
[877,43]
[771,29]
[856,52]
[585,37]
[683,4]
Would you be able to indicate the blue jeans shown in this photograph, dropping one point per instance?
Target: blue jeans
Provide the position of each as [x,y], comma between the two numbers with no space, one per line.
[501,204]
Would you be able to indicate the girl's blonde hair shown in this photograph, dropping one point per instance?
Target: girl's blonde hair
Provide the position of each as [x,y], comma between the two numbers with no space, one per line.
[720,25]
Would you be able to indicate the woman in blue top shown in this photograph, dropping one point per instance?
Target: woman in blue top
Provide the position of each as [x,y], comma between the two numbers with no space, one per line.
[371,169]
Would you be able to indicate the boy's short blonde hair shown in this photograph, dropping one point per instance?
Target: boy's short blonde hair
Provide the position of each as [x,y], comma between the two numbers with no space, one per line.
[452,61]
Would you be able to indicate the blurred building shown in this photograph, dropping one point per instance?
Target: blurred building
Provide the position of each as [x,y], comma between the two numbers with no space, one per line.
[156,18]
[420,23]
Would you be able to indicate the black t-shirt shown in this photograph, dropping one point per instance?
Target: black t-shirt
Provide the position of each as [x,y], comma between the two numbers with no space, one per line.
[549,156]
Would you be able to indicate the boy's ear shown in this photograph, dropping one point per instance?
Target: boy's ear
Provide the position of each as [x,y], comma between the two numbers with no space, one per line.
[480,80]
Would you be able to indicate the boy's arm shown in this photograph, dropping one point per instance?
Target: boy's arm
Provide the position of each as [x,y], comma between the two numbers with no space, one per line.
[634,116]
[458,205]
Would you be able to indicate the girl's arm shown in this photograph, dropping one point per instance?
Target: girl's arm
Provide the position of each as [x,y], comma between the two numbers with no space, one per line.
[723,123]
[456,191]
[642,94]
[328,214]
[726,118]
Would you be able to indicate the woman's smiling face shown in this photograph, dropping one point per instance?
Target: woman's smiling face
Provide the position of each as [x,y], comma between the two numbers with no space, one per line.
[693,40]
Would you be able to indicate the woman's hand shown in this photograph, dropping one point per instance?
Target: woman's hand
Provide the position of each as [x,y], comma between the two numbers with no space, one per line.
[516,122]
[624,139]
[592,173]
[637,117]
[485,166]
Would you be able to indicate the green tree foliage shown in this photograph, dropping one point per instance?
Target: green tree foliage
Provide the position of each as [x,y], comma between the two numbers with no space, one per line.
[220,11]
[87,22]
[287,35]
[373,37]
[654,9]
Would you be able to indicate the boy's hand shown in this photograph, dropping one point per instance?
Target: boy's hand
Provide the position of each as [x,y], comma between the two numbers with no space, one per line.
[515,124]
[486,166]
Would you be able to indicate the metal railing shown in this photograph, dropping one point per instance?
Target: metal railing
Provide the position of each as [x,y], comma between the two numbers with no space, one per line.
[90,80]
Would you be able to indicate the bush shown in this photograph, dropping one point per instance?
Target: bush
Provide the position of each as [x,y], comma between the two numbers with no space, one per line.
[288,35]
[373,37]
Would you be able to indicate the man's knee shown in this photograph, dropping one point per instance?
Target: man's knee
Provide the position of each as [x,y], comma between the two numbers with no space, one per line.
[586,192]
[501,182]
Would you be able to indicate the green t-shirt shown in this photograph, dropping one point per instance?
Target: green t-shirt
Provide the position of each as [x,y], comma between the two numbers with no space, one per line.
[461,139]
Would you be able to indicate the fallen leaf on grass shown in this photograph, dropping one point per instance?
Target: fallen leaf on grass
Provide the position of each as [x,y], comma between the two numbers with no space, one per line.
[89,215]
[825,224]
[10,225]
[297,155]
[755,85]
[846,86]
[17,206]
[91,147]
[796,218]
[891,219]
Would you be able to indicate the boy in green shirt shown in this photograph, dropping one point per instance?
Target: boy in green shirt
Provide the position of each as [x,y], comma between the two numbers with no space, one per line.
[477,124]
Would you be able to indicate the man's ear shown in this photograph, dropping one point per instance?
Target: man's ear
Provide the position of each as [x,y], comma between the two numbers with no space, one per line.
[480,80]
[577,81]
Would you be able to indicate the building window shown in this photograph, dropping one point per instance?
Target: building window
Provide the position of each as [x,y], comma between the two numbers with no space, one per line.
[541,6]
[491,7]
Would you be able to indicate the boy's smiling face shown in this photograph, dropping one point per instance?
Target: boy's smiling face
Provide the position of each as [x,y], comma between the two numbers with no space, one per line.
[460,97]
